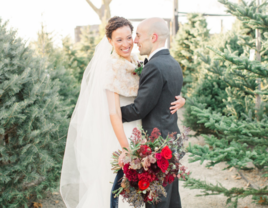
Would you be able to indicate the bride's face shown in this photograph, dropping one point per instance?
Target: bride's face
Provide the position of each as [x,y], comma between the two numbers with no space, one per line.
[122,41]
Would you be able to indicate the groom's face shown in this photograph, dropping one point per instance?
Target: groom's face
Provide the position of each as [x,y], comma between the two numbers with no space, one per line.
[143,40]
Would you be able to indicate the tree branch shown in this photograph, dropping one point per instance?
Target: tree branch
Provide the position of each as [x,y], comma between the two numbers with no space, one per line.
[94,8]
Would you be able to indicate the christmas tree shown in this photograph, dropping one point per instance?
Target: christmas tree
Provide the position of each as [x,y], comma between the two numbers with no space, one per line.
[189,40]
[56,61]
[33,126]
[86,47]
[237,133]
[208,91]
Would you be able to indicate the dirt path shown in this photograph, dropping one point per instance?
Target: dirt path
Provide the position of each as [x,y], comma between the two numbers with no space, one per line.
[188,197]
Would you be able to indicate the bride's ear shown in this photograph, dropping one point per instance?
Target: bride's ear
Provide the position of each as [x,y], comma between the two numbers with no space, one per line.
[111,42]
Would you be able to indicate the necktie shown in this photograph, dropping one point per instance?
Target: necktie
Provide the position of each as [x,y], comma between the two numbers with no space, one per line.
[145,61]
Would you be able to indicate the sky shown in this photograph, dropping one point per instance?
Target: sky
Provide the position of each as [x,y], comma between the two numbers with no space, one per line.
[62,16]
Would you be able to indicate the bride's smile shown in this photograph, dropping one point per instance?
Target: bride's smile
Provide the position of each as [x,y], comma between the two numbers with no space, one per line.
[122,41]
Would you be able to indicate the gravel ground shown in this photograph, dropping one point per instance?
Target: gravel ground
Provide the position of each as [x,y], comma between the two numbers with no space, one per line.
[188,197]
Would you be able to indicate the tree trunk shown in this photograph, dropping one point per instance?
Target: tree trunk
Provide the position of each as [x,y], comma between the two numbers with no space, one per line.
[104,11]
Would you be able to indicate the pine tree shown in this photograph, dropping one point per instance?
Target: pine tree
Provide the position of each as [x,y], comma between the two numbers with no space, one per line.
[237,134]
[86,47]
[32,128]
[209,90]
[189,40]
[54,59]
[73,63]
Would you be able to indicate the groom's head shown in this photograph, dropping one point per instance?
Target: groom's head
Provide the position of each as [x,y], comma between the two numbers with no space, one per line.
[151,34]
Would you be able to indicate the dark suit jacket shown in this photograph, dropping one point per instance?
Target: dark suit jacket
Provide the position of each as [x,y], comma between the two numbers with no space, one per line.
[160,81]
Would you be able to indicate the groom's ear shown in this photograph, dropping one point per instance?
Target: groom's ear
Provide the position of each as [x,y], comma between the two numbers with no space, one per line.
[154,37]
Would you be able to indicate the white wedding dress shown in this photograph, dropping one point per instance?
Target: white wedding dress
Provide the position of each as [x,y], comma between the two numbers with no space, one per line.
[128,127]
[86,176]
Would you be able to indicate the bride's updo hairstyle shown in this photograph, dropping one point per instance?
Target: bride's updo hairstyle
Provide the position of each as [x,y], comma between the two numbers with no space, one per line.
[119,33]
[116,22]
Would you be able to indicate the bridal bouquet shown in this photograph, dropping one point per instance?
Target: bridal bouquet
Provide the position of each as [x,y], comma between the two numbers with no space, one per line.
[150,164]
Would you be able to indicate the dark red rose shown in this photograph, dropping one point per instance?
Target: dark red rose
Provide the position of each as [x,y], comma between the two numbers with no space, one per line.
[143,184]
[147,176]
[131,174]
[154,168]
[170,178]
[145,150]
[165,183]
[155,134]
[163,164]
[166,153]
[134,184]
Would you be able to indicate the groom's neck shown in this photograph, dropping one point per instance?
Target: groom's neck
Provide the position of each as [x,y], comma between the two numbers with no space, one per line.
[156,47]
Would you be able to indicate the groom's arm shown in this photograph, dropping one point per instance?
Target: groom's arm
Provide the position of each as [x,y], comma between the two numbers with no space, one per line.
[151,84]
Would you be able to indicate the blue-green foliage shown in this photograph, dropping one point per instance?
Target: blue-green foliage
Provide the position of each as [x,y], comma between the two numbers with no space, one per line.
[33,123]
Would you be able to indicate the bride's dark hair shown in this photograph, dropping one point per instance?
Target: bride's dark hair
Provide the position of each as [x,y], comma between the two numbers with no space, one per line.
[116,22]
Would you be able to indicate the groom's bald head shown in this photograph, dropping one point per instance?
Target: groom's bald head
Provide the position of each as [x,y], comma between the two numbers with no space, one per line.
[151,34]
[156,25]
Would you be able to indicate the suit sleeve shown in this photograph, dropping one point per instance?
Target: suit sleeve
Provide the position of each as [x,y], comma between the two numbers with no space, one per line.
[151,84]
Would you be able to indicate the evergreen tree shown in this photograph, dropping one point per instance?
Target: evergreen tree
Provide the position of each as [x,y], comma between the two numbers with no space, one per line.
[209,90]
[86,48]
[32,128]
[75,64]
[55,60]
[237,134]
[190,40]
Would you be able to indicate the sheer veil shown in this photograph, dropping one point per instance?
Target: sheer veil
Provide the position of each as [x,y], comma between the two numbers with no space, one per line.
[86,171]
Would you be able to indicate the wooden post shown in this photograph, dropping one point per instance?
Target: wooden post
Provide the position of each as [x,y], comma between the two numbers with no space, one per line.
[175,17]
[258,58]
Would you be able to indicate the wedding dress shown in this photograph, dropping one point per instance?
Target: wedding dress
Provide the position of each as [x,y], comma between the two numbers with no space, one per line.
[86,177]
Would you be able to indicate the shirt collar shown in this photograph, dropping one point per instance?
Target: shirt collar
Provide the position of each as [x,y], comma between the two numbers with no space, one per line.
[154,52]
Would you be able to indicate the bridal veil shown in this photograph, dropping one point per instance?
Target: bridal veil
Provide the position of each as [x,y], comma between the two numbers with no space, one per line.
[86,172]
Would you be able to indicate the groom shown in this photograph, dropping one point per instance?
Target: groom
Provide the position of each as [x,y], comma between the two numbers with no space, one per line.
[160,81]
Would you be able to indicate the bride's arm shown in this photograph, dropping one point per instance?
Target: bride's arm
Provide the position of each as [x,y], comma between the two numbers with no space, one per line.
[116,118]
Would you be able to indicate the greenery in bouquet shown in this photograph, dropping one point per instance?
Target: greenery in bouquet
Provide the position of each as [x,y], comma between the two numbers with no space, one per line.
[150,164]
[139,68]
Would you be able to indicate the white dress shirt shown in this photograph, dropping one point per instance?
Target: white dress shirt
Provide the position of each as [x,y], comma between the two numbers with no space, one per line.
[154,52]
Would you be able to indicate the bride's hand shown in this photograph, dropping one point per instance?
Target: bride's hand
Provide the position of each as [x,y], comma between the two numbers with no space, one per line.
[176,105]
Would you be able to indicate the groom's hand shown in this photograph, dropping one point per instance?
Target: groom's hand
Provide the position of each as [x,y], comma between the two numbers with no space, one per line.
[176,105]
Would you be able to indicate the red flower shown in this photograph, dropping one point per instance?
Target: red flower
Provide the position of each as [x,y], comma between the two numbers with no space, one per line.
[170,178]
[143,184]
[166,153]
[146,176]
[158,156]
[145,150]
[163,164]
[155,134]
[154,168]
[165,183]
[134,73]
[131,174]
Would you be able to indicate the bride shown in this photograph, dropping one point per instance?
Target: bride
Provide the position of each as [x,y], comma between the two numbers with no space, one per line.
[96,128]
